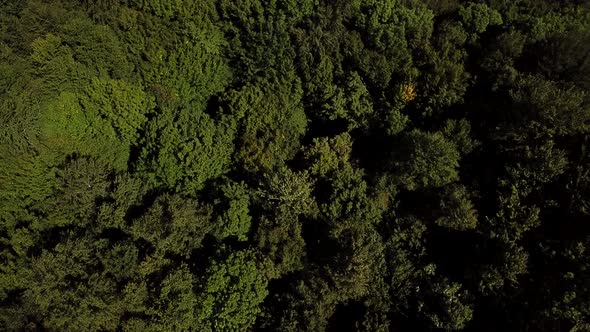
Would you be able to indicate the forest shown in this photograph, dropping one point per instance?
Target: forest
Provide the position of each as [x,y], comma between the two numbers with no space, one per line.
[295,165]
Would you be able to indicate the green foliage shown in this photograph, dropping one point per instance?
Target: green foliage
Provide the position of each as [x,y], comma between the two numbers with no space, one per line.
[457,211]
[173,224]
[83,181]
[182,149]
[258,34]
[514,217]
[288,191]
[183,145]
[177,303]
[352,103]
[549,107]
[327,155]
[126,192]
[453,313]
[393,31]
[224,165]
[167,8]
[287,196]
[280,244]
[272,121]
[459,132]
[72,273]
[404,255]
[561,57]
[444,78]
[570,19]
[478,16]
[97,47]
[63,132]
[234,219]
[125,107]
[232,290]
[431,161]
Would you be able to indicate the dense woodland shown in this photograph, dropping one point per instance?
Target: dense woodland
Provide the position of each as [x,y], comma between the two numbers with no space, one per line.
[294,165]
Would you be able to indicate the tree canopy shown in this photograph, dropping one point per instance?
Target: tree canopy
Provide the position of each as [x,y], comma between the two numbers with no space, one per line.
[313,165]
